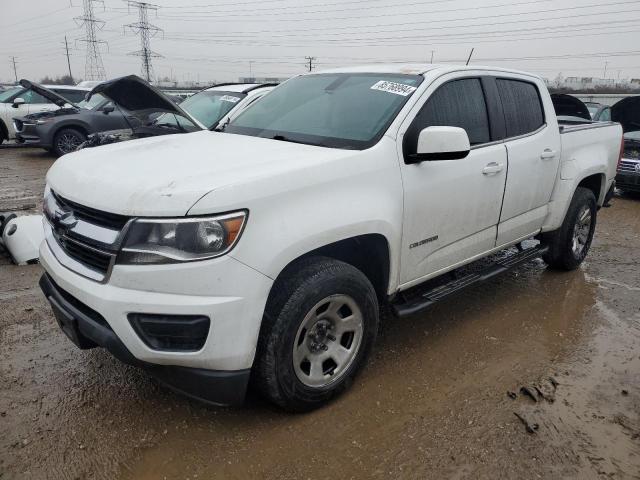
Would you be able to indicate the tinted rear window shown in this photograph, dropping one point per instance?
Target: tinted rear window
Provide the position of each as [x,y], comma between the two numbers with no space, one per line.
[74,96]
[522,106]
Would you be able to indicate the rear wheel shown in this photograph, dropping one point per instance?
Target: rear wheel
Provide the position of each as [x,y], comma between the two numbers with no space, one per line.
[569,245]
[318,329]
[67,140]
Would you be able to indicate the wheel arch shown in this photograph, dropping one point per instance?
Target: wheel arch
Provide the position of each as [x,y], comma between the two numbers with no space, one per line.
[595,183]
[4,131]
[370,253]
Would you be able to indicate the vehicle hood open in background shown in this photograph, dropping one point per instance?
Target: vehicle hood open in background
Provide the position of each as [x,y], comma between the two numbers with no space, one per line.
[569,106]
[54,97]
[167,175]
[627,113]
[140,98]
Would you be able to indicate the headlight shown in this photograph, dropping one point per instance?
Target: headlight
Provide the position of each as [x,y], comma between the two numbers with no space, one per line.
[150,241]
[40,121]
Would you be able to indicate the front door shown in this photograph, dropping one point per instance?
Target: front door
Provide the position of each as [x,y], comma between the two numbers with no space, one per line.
[452,207]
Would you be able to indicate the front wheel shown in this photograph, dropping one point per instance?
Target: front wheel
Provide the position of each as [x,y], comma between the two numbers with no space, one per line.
[67,140]
[318,329]
[569,245]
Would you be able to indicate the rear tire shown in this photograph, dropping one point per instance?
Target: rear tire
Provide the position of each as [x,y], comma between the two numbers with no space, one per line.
[318,329]
[569,245]
[67,140]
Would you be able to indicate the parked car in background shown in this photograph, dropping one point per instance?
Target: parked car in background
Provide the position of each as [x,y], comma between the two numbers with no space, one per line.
[20,101]
[156,114]
[127,108]
[627,113]
[264,252]
[599,112]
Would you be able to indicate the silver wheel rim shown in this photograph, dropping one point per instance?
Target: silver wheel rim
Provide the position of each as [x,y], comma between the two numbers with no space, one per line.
[581,231]
[327,341]
[68,142]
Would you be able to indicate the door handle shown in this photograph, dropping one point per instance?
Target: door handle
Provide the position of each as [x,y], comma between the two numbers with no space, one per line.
[492,168]
[548,154]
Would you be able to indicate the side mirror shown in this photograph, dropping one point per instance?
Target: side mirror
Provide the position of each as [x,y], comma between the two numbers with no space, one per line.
[18,101]
[108,109]
[441,143]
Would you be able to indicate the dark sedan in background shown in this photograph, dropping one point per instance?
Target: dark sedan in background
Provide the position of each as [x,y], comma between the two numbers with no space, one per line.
[62,131]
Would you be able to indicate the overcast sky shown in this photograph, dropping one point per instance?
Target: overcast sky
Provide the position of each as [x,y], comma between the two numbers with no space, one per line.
[209,40]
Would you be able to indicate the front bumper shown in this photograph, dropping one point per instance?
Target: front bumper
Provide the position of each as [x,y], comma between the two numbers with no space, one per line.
[628,181]
[88,329]
[28,135]
[228,292]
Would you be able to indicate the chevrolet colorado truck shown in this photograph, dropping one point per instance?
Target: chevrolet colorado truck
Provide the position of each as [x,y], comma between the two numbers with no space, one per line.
[263,253]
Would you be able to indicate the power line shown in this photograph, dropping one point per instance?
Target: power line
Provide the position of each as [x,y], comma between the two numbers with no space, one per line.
[93,68]
[146,31]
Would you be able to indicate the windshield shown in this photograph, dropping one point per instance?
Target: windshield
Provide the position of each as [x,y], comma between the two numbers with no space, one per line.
[211,105]
[95,101]
[7,94]
[338,110]
[592,110]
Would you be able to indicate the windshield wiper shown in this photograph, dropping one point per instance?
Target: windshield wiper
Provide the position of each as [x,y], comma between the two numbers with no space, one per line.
[282,138]
[221,128]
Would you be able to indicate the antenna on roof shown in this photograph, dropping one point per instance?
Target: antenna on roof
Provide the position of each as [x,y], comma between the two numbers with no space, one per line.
[469,59]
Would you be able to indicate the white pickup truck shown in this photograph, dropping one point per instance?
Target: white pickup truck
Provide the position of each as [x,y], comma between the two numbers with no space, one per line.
[263,253]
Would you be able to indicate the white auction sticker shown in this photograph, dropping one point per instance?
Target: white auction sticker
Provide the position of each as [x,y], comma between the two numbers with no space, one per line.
[393,87]
[229,98]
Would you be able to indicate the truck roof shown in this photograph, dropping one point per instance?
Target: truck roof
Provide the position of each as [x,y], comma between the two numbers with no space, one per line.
[418,69]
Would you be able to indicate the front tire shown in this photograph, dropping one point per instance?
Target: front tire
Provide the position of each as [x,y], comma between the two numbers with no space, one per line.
[67,140]
[569,245]
[318,329]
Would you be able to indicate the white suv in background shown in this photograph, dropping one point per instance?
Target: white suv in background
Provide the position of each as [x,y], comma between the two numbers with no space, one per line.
[20,101]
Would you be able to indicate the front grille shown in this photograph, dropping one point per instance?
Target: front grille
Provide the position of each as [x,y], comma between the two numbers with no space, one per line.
[90,241]
[90,257]
[91,215]
[628,166]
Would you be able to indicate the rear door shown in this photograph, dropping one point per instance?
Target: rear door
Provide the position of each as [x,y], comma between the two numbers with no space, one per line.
[533,149]
[452,207]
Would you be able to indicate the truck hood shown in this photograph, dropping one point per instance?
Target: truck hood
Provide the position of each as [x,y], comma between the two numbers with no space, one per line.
[166,176]
[140,98]
[55,98]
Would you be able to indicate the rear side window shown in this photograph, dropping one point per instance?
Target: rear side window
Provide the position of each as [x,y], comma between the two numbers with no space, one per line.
[522,106]
[459,103]
[74,96]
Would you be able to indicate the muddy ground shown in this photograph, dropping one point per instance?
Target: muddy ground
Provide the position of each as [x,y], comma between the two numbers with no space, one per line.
[433,403]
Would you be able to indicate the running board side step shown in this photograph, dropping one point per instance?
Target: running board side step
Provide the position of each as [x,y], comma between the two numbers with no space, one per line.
[428,298]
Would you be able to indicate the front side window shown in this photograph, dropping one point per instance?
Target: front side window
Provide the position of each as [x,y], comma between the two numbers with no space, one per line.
[458,103]
[32,97]
[8,95]
[336,110]
[522,106]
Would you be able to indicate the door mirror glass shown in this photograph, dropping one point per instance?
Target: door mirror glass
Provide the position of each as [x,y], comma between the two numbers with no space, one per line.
[441,143]
[18,101]
[108,109]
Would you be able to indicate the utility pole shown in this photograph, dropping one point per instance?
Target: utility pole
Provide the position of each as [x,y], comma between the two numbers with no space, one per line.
[470,53]
[605,70]
[15,71]
[93,67]
[432,56]
[146,31]
[66,46]
[250,69]
[310,66]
